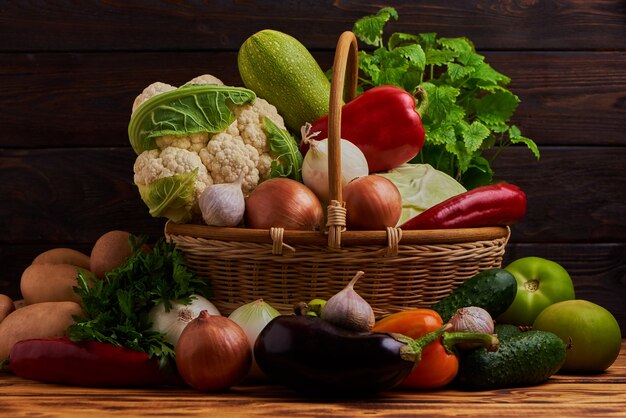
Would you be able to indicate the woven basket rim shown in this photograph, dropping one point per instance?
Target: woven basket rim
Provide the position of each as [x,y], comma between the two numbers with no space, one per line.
[435,236]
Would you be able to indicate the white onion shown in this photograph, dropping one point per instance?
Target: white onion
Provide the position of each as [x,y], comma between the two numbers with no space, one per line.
[172,322]
[315,164]
[252,318]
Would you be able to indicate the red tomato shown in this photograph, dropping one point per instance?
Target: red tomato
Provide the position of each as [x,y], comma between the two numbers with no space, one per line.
[437,367]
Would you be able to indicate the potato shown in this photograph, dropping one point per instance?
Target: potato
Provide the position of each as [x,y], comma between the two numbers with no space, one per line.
[63,256]
[19,303]
[49,283]
[41,320]
[6,306]
[109,252]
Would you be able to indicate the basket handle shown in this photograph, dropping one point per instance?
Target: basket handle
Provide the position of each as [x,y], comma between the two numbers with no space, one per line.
[343,87]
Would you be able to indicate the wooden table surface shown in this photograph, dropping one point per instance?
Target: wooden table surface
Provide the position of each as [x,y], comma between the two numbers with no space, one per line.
[601,395]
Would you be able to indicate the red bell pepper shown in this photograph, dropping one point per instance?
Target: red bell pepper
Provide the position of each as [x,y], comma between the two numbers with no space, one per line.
[495,204]
[439,363]
[384,123]
[91,363]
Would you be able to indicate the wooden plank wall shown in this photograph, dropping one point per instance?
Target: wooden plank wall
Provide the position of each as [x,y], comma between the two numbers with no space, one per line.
[69,72]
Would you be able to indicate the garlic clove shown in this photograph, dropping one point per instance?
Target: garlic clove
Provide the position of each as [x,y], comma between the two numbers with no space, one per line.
[347,309]
[223,204]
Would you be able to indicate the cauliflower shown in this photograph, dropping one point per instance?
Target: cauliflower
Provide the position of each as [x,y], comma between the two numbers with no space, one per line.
[205,79]
[250,126]
[192,142]
[242,148]
[227,156]
[151,91]
[155,164]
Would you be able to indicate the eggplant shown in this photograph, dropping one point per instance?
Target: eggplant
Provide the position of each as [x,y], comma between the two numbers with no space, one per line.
[316,357]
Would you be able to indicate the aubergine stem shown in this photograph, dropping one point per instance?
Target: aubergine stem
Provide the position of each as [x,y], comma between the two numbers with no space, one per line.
[413,349]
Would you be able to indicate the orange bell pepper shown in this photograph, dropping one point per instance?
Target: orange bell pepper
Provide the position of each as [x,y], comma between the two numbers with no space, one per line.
[438,367]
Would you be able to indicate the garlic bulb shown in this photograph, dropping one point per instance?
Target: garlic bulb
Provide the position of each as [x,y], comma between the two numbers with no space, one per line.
[347,309]
[223,204]
[172,322]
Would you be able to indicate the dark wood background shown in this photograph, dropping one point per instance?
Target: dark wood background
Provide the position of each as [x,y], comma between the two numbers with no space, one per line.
[69,72]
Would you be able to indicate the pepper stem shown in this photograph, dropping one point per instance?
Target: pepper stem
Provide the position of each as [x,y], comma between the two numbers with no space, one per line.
[412,351]
[421,96]
[450,339]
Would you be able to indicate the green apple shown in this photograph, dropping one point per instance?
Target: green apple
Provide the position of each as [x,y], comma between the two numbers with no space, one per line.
[540,283]
[591,333]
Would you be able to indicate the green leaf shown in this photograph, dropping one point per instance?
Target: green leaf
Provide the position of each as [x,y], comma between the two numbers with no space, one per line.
[170,197]
[496,108]
[414,54]
[442,99]
[478,173]
[187,110]
[369,29]
[439,56]
[398,39]
[474,135]
[515,136]
[457,72]
[459,45]
[485,76]
[440,134]
[286,156]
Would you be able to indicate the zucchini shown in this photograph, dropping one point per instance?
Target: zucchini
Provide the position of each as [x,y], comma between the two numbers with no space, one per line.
[278,68]
[493,290]
[524,359]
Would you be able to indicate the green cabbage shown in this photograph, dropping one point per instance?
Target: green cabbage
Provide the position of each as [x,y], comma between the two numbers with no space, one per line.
[171,197]
[421,186]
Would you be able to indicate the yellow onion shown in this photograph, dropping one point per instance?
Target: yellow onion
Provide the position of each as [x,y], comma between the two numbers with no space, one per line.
[213,353]
[372,202]
[283,203]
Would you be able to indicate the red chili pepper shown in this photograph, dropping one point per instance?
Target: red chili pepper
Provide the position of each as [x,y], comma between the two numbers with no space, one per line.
[495,204]
[384,123]
[91,363]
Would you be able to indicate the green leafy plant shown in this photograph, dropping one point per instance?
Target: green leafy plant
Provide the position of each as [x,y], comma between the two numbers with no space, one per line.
[116,307]
[469,105]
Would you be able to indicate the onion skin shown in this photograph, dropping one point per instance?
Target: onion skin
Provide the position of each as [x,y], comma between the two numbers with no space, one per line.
[283,203]
[213,353]
[372,202]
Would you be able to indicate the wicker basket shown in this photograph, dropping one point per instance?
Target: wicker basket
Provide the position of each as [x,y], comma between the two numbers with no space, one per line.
[403,269]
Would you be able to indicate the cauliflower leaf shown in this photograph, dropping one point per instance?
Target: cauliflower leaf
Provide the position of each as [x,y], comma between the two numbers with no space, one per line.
[187,110]
[286,156]
[171,197]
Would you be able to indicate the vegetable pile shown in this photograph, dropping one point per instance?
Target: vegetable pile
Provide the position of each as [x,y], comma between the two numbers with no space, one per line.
[132,314]
[428,109]
[146,323]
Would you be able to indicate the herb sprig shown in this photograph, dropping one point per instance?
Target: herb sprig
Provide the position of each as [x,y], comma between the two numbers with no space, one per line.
[116,307]
[469,104]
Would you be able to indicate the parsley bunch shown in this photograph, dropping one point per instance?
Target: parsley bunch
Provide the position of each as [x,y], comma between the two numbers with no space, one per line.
[116,307]
[469,106]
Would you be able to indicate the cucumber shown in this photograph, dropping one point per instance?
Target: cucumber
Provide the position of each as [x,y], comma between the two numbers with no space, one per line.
[524,359]
[493,290]
[504,331]
[278,68]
